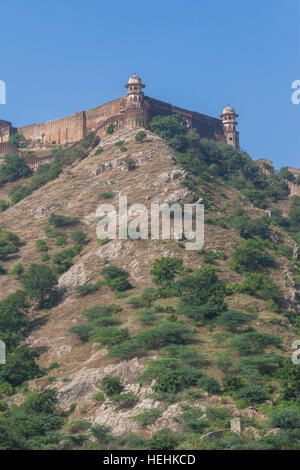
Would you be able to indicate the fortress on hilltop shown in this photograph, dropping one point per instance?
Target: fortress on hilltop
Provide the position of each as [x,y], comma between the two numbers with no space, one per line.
[130,111]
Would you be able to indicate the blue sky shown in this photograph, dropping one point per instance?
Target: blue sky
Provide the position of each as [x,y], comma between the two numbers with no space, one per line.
[58,57]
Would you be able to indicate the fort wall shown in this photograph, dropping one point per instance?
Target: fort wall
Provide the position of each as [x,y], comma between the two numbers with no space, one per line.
[206,126]
[96,116]
[73,128]
[6,147]
[6,130]
[67,129]
[132,110]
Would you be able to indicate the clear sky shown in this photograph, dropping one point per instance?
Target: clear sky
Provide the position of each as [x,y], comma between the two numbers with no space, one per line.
[60,56]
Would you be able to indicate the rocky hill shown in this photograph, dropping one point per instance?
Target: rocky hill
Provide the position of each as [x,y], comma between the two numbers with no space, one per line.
[74,362]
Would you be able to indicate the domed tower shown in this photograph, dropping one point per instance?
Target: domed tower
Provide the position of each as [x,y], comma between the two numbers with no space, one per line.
[134,95]
[229,125]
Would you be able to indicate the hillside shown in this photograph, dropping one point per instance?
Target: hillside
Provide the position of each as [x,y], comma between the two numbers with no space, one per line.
[191,405]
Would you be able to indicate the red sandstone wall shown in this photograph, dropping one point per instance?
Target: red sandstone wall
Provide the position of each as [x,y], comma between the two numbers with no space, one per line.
[5,132]
[96,116]
[5,148]
[70,128]
[73,128]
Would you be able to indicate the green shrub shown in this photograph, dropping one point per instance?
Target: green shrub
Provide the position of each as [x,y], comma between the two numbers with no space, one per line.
[169,382]
[111,385]
[165,269]
[77,426]
[64,260]
[209,384]
[3,205]
[250,228]
[9,244]
[201,294]
[41,245]
[163,334]
[110,335]
[189,376]
[133,441]
[232,320]
[61,220]
[146,317]
[89,140]
[110,129]
[3,406]
[147,417]
[124,400]
[129,162]
[120,284]
[6,389]
[16,270]
[285,250]
[256,366]
[13,168]
[163,439]
[145,300]
[289,377]
[140,136]
[127,350]
[116,278]
[166,333]
[99,397]
[39,283]
[82,331]
[192,420]
[219,416]
[113,272]
[82,291]
[99,150]
[252,394]
[13,319]
[251,256]
[61,240]
[189,356]
[79,237]
[45,257]
[93,313]
[285,419]
[107,195]
[260,285]
[20,366]
[17,139]
[253,342]
[169,127]
[232,383]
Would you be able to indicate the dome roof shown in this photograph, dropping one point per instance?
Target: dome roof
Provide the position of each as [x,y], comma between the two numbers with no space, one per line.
[135,80]
[228,110]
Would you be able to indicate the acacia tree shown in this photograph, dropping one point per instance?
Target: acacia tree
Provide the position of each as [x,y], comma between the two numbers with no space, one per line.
[165,269]
[39,283]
